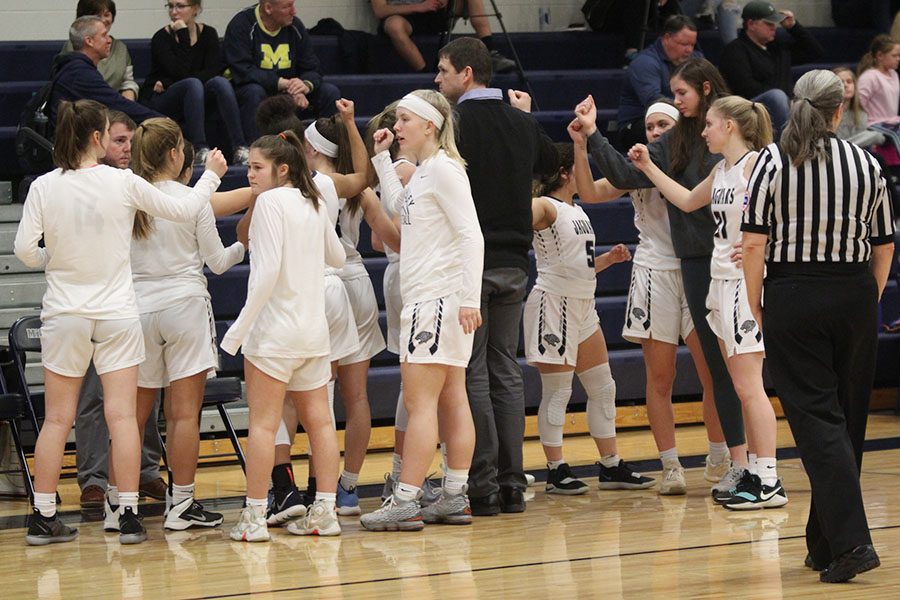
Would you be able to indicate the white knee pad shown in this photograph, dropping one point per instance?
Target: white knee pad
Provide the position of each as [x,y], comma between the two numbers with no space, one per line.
[282,438]
[601,401]
[401,417]
[556,390]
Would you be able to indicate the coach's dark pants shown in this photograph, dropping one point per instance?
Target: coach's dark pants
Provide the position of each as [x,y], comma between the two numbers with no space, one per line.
[820,328]
[696,277]
[494,385]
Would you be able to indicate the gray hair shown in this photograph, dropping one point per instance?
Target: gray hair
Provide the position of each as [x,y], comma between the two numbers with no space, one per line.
[83,27]
[817,96]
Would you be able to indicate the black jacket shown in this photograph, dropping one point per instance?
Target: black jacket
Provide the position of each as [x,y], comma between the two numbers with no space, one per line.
[172,58]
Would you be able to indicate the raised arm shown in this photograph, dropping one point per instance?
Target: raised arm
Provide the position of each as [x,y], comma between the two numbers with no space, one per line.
[228,203]
[216,256]
[685,199]
[143,196]
[391,188]
[616,254]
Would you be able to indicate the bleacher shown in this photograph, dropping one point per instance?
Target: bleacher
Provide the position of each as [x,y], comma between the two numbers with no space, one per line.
[562,68]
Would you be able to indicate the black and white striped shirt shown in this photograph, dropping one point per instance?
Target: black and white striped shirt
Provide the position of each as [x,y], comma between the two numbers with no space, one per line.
[824,211]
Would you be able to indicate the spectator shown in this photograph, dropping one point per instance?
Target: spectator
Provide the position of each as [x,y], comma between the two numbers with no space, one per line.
[722,14]
[401,18]
[854,120]
[493,138]
[757,65]
[77,76]
[879,88]
[116,68]
[269,51]
[647,78]
[186,66]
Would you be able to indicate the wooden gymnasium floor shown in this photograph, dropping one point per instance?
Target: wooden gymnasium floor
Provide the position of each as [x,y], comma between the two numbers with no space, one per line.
[603,544]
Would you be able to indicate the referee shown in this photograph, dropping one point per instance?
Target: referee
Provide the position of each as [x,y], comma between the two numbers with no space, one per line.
[819,220]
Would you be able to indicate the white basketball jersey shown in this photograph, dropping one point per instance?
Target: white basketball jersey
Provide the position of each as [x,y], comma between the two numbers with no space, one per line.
[348,232]
[565,253]
[393,257]
[331,202]
[651,217]
[729,199]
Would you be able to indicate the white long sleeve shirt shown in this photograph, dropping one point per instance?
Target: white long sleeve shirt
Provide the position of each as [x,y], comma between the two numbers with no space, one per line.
[167,266]
[290,244]
[86,218]
[443,249]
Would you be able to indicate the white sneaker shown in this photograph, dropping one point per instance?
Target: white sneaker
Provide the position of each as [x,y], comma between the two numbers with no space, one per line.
[111,516]
[529,479]
[190,513]
[714,472]
[673,483]
[319,520]
[250,527]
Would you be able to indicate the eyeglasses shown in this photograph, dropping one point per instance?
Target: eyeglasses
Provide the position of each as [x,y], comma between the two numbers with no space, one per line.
[176,6]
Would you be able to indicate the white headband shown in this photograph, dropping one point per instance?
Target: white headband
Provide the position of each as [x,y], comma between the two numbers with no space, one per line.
[318,141]
[422,108]
[664,108]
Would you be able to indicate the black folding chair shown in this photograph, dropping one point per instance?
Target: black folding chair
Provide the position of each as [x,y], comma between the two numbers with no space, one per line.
[25,336]
[12,409]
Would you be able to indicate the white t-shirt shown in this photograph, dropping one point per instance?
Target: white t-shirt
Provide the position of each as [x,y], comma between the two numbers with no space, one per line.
[564,253]
[290,244]
[86,217]
[729,199]
[443,249]
[651,217]
[167,266]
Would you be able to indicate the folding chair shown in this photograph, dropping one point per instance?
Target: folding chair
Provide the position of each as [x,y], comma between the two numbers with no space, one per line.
[12,409]
[25,336]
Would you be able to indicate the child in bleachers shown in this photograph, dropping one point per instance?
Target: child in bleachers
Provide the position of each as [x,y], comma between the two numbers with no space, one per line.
[854,120]
[878,87]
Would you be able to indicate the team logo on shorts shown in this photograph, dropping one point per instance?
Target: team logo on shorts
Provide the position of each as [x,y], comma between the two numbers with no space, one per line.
[423,336]
[551,339]
[748,326]
[638,313]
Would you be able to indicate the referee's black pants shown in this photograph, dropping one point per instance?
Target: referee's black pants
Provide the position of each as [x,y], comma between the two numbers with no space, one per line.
[821,341]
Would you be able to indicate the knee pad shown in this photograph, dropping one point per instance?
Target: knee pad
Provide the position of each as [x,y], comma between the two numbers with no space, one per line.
[556,390]
[601,401]
[282,437]
[401,417]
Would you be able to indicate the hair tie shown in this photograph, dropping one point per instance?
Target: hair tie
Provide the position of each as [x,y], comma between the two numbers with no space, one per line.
[422,108]
[811,103]
[320,142]
[282,136]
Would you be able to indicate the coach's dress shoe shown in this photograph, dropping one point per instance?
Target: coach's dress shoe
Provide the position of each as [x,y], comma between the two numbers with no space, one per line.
[850,564]
[485,506]
[92,497]
[512,500]
[155,489]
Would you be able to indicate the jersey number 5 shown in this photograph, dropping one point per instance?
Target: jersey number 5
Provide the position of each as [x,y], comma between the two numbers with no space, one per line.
[589,250]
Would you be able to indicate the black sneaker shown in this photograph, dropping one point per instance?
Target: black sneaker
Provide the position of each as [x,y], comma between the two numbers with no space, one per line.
[190,513]
[131,527]
[48,530]
[850,564]
[561,481]
[287,505]
[309,495]
[753,495]
[723,496]
[501,64]
[622,477]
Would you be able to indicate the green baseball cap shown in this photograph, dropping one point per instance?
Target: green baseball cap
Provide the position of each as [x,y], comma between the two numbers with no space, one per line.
[759,10]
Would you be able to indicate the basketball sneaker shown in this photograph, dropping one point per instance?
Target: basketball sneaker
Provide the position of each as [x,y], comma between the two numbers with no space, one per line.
[111,516]
[48,530]
[714,472]
[319,520]
[431,492]
[529,479]
[394,516]
[753,494]
[622,477]
[347,502]
[286,506]
[190,513]
[724,489]
[673,482]
[250,527]
[131,528]
[560,481]
[452,509]
[388,489]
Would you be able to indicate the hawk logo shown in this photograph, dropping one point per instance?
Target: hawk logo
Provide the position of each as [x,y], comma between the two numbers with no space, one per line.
[408,203]
[423,336]
[638,313]
[748,325]
[551,339]
[278,58]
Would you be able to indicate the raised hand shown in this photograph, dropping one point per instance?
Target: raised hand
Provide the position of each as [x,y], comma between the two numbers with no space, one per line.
[586,113]
[619,253]
[520,100]
[383,139]
[639,156]
[215,162]
[345,108]
[576,132]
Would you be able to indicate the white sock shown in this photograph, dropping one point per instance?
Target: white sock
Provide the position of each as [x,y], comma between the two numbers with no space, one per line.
[406,493]
[257,505]
[112,492]
[718,452]
[396,464]
[669,455]
[751,466]
[349,480]
[180,493]
[45,503]
[610,461]
[129,499]
[326,498]
[554,464]
[455,481]
[767,471]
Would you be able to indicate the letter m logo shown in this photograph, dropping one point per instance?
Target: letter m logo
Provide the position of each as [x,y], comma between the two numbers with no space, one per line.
[278,59]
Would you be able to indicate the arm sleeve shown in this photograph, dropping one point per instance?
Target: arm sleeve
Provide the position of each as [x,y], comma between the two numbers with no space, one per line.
[736,69]
[615,167]
[391,188]
[144,196]
[216,256]
[238,51]
[92,86]
[759,192]
[866,88]
[30,232]
[128,83]
[454,195]
[882,222]
[308,67]
[170,55]
[266,244]
[335,256]
[806,48]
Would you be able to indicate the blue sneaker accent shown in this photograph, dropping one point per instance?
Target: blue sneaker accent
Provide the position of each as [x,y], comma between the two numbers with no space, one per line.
[347,502]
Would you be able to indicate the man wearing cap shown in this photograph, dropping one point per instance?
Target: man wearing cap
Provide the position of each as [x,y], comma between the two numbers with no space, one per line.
[757,65]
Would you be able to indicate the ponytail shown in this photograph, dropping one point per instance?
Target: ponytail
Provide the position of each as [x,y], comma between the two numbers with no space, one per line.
[76,123]
[150,147]
[287,149]
[817,96]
